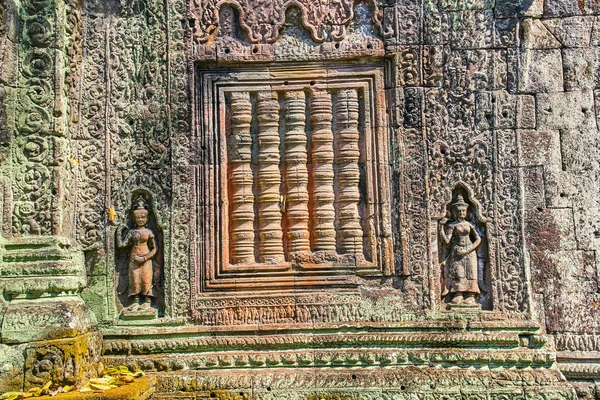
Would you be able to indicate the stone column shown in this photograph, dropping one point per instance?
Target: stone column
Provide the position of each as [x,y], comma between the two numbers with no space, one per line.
[323,217]
[296,173]
[269,180]
[42,272]
[348,174]
[241,180]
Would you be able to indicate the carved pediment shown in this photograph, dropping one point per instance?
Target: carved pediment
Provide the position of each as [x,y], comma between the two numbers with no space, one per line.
[262,20]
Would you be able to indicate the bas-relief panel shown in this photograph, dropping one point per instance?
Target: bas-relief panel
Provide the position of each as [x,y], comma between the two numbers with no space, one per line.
[251,190]
[133,118]
[262,21]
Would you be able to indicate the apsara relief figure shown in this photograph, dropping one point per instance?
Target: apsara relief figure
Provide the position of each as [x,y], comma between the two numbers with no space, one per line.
[460,241]
[143,250]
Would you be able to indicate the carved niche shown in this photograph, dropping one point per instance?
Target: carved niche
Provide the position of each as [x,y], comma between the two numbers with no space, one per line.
[139,259]
[464,252]
[294,191]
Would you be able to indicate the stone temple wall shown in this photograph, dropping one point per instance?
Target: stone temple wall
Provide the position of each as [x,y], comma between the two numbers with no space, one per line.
[300,165]
[5,78]
[558,64]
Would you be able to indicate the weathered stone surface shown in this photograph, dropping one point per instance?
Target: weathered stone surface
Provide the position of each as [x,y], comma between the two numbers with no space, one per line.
[540,71]
[533,8]
[565,8]
[365,383]
[571,31]
[539,148]
[12,364]
[141,389]
[581,68]
[71,361]
[566,110]
[526,118]
[46,319]
[537,36]
[247,192]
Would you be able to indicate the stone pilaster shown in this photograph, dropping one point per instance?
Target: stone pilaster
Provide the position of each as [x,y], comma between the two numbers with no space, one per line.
[47,331]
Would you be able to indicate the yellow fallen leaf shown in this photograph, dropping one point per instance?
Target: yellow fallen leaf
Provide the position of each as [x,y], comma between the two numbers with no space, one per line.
[10,396]
[99,381]
[86,388]
[99,387]
[47,386]
[109,371]
[36,391]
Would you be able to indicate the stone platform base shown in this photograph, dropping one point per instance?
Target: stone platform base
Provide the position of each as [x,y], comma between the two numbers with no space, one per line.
[365,383]
[140,389]
[444,356]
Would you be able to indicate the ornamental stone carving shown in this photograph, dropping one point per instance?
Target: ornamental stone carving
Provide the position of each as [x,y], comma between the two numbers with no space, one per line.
[301,162]
[459,240]
[263,20]
[301,199]
[463,251]
[138,254]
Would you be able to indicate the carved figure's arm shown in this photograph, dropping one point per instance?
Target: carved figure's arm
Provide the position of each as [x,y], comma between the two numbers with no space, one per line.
[477,240]
[123,242]
[446,233]
[154,247]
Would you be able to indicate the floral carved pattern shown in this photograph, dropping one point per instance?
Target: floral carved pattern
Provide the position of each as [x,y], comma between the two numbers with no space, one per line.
[263,19]
[134,131]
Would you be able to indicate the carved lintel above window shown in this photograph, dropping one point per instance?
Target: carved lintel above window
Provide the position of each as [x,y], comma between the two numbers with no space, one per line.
[285,30]
[262,21]
[293,191]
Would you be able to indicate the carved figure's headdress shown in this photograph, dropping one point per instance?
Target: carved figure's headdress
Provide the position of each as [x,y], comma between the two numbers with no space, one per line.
[140,206]
[460,202]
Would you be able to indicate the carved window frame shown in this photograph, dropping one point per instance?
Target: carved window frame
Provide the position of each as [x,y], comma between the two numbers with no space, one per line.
[212,273]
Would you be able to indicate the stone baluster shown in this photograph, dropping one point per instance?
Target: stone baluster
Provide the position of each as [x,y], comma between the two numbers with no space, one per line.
[269,180]
[349,231]
[296,173]
[323,216]
[240,180]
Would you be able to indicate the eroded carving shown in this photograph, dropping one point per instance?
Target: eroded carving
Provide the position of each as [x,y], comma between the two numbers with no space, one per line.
[459,265]
[463,258]
[139,248]
[263,20]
